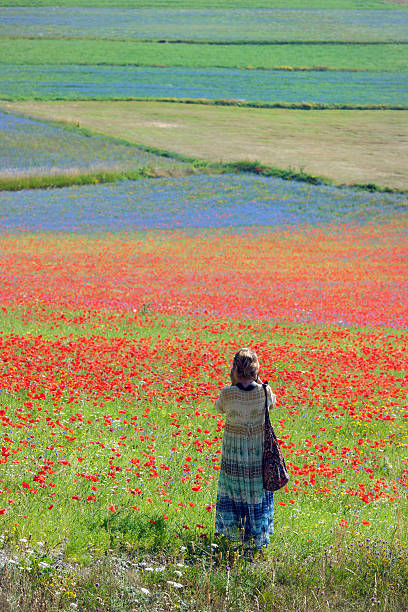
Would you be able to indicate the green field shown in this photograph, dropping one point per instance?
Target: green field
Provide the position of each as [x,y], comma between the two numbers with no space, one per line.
[297,4]
[382,57]
[345,146]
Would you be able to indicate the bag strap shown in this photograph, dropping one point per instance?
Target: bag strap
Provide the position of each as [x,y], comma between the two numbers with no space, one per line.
[264,385]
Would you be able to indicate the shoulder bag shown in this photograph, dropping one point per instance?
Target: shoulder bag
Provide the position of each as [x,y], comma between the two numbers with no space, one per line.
[275,473]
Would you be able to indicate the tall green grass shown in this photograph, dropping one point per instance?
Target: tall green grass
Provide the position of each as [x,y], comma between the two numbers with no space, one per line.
[355,575]
[211,580]
[33,180]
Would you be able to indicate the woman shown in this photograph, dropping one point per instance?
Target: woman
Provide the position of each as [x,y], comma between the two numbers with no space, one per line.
[244,509]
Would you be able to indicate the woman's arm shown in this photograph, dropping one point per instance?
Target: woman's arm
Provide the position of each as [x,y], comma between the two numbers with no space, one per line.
[219,404]
[271,398]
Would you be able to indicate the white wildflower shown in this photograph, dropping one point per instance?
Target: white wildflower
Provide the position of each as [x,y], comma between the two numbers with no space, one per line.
[176,585]
[144,591]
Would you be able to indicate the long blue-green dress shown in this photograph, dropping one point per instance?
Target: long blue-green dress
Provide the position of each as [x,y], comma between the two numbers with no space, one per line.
[244,511]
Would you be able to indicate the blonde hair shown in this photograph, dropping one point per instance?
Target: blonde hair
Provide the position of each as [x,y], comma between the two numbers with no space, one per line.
[246,363]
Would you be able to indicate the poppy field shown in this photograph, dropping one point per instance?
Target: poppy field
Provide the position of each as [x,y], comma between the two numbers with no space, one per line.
[114,347]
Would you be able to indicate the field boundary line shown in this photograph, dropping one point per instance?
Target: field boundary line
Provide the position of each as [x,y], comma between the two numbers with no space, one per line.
[220,66]
[180,41]
[308,106]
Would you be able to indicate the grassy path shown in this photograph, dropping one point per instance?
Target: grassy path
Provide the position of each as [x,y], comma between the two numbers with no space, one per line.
[345,146]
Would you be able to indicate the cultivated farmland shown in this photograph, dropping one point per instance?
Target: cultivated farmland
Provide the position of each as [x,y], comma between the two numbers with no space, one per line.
[365,146]
[233,25]
[391,57]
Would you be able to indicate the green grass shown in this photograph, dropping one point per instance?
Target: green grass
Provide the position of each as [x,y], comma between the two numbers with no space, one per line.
[33,180]
[68,179]
[214,4]
[360,147]
[212,580]
[44,181]
[382,57]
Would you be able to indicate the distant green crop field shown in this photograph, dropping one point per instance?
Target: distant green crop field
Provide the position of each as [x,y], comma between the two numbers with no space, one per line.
[296,4]
[383,57]
[206,25]
[85,82]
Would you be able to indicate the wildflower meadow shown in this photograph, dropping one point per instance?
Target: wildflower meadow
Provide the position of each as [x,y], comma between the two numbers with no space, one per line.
[114,347]
[29,146]
[122,303]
